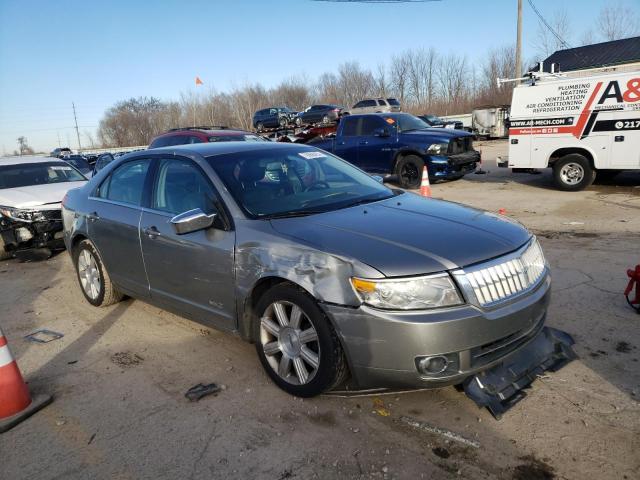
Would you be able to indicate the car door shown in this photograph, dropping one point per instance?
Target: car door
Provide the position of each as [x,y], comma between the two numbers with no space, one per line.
[192,273]
[114,224]
[347,142]
[374,150]
[315,114]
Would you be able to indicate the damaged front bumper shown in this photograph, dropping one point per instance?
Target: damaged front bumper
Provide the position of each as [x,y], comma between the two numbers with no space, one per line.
[40,229]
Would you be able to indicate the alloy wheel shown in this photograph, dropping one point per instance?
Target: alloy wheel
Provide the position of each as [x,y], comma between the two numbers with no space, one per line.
[572,173]
[89,274]
[290,342]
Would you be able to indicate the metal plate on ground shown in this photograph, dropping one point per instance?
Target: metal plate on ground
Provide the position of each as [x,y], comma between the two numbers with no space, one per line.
[503,385]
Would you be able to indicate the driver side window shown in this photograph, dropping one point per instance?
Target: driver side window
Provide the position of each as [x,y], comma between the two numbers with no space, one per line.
[181,186]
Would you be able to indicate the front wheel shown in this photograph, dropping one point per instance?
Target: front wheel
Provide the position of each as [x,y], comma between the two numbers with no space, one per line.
[409,171]
[296,344]
[94,280]
[326,119]
[282,122]
[298,121]
[573,172]
[260,126]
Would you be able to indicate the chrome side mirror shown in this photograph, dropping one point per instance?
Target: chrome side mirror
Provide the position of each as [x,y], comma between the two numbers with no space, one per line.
[191,221]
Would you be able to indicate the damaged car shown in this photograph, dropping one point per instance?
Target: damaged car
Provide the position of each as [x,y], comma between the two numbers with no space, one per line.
[330,273]
[31,189]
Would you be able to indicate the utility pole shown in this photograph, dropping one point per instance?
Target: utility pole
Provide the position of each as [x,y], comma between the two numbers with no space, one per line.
[77,131]
[518,72]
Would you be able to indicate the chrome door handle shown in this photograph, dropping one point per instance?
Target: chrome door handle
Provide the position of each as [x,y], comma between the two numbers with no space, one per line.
[93,216]
[152,232]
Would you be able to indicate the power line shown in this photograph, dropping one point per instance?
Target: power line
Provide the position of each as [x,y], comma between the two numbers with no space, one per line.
[546,24]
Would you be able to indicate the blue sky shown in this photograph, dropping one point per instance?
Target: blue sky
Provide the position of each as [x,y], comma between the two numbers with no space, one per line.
[97,53]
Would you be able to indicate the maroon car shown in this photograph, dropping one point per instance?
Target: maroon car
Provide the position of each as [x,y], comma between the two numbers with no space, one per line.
[187,135]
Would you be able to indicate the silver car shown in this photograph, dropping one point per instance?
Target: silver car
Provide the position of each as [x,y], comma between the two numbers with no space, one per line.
[374,105]
[329,272]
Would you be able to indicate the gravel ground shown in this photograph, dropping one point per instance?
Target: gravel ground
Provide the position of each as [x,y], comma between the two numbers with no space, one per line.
[119,375]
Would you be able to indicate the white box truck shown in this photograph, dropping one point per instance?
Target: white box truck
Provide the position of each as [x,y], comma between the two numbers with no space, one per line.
[580,127]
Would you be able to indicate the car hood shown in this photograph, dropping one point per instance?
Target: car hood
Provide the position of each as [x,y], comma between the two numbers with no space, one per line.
[37,195]
[439,134]
[409,235]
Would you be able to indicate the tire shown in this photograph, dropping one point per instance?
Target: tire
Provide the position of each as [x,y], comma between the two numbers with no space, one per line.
[573,173]
[4,255]
[409,171]
[259,126]
[296,356]
[298,121]
[282,122]
[325,120]
[87,259]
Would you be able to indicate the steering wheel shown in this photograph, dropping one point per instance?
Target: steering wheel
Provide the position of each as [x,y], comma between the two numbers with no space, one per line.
[317,184]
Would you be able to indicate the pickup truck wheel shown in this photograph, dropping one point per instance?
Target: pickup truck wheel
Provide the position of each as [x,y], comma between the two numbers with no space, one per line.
[296,343]
[409,171]
[573,172]
[4,255]
[259,126]
[94,280]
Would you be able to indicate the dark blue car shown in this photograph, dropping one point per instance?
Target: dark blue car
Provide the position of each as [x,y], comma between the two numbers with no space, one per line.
[401,144]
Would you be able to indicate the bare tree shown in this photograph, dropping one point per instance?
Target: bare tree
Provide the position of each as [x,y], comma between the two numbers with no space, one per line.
[400,76]
[617,21]
[23,146]
[546,42]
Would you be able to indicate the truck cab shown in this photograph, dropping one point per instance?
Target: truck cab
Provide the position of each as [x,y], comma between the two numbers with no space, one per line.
[401,144]
[579,127]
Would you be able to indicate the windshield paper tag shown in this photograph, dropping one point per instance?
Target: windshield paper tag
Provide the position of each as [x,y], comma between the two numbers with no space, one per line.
[310,155]
[55,167]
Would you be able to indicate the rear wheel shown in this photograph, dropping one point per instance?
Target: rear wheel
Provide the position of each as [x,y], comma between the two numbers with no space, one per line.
[259,126]
[325,119]
[573,172]
[296,343]
[282,122]
[94,280]
[409,171]
[298,121]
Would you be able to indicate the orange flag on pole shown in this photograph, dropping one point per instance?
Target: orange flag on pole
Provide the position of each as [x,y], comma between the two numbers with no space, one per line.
[198,81]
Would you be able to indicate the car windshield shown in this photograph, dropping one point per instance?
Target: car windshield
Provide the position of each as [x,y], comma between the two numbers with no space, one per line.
[41,173]
[408,122]
[269,183]
[237,138]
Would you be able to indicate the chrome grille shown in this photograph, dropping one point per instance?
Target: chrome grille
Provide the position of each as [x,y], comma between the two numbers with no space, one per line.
[499,280]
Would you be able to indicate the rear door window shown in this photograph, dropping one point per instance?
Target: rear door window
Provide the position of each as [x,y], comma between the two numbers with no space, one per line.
[382,103]
[370,124]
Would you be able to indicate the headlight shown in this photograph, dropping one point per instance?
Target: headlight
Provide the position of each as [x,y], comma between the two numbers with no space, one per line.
[438,149]
[416,293]
[21,215]
[533,262]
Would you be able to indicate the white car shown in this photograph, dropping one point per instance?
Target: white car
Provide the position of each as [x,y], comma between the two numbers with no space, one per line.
[31,192]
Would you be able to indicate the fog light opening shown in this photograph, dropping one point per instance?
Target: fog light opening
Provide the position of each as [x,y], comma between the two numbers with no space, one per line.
[433,365]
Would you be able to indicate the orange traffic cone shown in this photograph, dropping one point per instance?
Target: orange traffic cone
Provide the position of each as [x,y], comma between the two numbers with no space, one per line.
[15,401]
[425,186]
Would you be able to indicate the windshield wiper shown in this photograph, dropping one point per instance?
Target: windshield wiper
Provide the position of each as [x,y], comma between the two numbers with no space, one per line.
[363,201]
[298,213]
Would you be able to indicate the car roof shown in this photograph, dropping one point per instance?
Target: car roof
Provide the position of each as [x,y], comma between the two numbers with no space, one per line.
[223,148]
[28,159]
[213,132]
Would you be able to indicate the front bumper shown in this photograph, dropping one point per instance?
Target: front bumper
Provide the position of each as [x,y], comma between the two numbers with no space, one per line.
[382,347]
[18,236]
[453,166]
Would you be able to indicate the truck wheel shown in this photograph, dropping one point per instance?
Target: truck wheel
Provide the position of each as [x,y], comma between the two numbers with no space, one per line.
[409,171]
[94,280]
[4,255]
[573,172]
[296,343]
[259,126]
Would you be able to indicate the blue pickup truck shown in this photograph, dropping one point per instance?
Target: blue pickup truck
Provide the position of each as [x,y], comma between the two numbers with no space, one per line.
[400,144]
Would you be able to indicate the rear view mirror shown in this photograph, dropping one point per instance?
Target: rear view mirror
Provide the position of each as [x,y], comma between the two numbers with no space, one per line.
[191,221]
[381,132]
